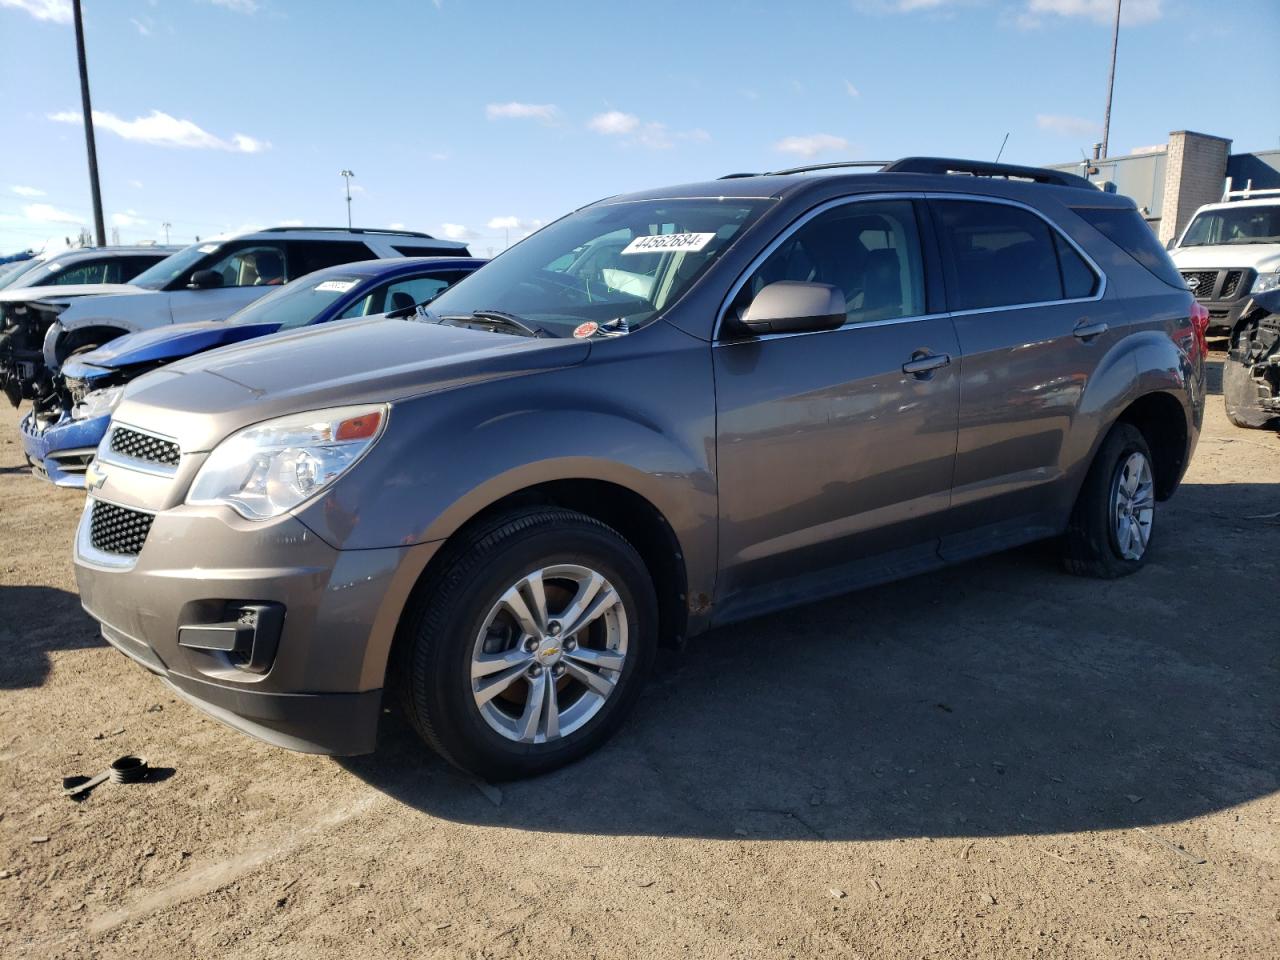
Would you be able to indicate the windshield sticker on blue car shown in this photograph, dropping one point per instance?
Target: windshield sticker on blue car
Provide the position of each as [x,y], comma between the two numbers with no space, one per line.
[335,286]
[669,243]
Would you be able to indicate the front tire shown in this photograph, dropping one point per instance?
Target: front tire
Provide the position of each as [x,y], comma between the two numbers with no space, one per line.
[529,646]
[1109,534]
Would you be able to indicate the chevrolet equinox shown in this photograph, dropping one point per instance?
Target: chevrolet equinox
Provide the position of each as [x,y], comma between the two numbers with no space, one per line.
[665,412]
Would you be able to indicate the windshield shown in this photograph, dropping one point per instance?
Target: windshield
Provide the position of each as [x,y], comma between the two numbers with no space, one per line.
[11,273]
[1260,224]
[170,268]
[298,303]
[610,261]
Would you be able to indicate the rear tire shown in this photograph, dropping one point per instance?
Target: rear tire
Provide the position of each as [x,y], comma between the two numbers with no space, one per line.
[1109,534]
[1239,395]
[490,619]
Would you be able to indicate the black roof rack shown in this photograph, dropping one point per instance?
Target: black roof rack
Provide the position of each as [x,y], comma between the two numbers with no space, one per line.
[394,233]
[978,168]
[939,165]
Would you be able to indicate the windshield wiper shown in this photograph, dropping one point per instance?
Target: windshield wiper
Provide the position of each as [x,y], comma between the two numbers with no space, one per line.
[502,318]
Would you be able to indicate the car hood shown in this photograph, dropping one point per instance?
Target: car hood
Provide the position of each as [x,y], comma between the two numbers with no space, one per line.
[200,400]
[173,342]
[67,291]
[1263,257]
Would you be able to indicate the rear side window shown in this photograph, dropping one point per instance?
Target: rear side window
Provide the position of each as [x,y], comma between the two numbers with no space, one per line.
[1004,256]
[1128,231]
[409,250]
[306,256]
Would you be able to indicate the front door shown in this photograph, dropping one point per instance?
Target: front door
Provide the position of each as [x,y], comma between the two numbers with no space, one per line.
[836,450]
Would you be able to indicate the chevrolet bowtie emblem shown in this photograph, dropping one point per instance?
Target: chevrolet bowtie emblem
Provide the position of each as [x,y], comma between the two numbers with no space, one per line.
[93,477]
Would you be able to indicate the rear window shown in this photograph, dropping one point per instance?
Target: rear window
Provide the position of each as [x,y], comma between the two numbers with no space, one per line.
[1128,231]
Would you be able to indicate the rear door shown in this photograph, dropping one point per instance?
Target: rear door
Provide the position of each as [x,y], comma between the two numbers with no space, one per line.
[1032,324]
[834,459]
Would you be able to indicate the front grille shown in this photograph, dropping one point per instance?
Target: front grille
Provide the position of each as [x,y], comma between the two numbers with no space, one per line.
[119,530]
[1200,282]
[1231,284]
[143,446]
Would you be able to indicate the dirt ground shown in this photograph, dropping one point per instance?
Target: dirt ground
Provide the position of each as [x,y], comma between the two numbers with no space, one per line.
[999,760]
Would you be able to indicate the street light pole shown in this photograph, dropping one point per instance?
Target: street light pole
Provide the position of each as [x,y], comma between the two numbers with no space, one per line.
[166,226]
[1111,81]
[86,106]
[347,175]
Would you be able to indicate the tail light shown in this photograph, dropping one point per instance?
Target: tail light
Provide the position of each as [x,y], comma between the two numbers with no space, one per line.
[1200,321]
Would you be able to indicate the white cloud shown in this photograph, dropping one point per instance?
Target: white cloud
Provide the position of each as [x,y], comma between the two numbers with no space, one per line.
[456,231]
[514,226]
[239,6]
[811,145]
[143,28]
[160,129]
[54,11]
[1132,12]
[1066,126]
[905,6]
[26,191]
[542,112]
[136,184]
[288,223]
[851,90]
[656,136]
[613,123]
[129,218]
[396,226]
[47,213]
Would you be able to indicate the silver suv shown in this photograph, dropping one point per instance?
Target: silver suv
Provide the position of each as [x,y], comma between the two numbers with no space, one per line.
[663,413]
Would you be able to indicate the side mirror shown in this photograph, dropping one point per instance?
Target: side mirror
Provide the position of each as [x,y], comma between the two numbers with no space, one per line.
[205,280]
[794,306]
[1171,243]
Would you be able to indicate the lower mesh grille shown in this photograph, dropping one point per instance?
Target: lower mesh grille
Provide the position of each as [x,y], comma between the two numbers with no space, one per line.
[118,530]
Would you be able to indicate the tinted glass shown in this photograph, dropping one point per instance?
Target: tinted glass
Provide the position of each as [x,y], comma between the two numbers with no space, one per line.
[1078,278]
[1128,231]
[410,250]
[309,255]
[610,261]
[89,271]
[871,251]
[12,272]
[999,255]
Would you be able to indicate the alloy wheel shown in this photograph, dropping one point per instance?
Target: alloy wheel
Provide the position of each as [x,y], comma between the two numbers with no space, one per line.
[1133,506]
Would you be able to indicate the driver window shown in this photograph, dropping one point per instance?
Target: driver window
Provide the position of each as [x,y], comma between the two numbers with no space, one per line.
[258,266]
[871,251]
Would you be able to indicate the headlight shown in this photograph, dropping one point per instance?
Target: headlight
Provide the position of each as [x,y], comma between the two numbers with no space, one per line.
[1265,282]
[268,469]
[97,403]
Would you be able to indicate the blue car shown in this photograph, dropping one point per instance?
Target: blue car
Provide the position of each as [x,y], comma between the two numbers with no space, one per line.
[59,446]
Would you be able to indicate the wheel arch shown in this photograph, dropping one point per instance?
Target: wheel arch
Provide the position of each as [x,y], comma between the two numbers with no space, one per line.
[1160,418]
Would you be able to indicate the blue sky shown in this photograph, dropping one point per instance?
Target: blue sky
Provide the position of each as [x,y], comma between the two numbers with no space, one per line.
[481,118]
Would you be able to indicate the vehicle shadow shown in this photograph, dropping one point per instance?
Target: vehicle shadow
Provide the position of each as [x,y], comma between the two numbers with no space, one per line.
[997,697]
[34,622]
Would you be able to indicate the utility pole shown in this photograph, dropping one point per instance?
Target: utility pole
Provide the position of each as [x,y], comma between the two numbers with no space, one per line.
[87,107]
[166,226]
[347,175]
[1111,81]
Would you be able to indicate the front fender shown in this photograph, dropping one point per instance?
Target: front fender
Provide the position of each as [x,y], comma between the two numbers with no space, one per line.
[445,458]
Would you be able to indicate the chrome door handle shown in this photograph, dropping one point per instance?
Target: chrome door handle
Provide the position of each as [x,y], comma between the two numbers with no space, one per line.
[1087,331]
[922,363]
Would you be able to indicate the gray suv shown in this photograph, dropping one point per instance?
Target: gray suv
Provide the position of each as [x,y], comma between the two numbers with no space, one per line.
[663,413]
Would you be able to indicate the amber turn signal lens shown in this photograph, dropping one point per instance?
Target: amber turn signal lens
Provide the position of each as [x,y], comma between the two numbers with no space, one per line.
[359,428]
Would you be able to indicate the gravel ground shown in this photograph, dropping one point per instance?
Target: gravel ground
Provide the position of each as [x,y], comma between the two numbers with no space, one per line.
[997,760]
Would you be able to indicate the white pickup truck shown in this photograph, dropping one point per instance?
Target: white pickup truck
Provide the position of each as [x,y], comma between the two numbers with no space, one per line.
[1229,253]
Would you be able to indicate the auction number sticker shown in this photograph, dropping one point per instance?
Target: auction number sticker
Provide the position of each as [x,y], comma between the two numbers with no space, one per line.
[335,286]
[669,243]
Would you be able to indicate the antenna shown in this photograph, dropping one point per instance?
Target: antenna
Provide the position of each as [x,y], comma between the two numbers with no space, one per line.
[1000,152]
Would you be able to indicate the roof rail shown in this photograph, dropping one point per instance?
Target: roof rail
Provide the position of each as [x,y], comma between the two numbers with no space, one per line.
[394,233]
[978,168]
[809,168]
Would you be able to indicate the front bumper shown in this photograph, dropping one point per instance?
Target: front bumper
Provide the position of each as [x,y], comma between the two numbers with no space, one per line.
[61,451]
[322,692]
